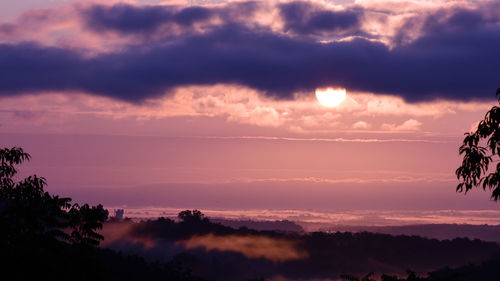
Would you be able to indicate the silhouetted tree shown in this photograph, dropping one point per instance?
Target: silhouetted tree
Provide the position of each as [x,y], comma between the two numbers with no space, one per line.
[478,155]
[27,211]
[367,277]
[192,216]
[85,220]
[411,277]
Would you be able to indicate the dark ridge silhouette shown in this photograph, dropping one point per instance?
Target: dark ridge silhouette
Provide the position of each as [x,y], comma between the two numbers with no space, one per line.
[215,251]
[283,225]
[369,277]
[490,233]
[485,271]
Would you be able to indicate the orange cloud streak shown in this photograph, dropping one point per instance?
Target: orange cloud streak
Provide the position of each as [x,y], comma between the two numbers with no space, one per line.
[251,246]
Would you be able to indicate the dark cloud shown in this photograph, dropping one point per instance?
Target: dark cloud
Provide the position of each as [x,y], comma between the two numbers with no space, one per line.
[305,18]
[191,15]
[127,18]
[299,17]
[456,58]
[455,20]
[26,115]
[449,20]
[7,28]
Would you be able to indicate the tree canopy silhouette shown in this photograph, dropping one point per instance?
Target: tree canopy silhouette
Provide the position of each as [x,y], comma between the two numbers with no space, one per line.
[46,237]
[480,149]
[368,277]
[27,211]
[192,216]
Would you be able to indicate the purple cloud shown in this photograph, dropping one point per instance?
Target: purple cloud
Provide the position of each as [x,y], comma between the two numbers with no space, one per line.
[456,57]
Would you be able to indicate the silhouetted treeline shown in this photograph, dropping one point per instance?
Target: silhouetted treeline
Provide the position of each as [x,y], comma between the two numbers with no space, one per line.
[56,260]
[168,229]
[46,237]
[439,231]
[485,271]
[282,225]
[320,255]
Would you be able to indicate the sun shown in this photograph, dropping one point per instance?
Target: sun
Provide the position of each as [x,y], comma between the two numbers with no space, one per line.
[330,97]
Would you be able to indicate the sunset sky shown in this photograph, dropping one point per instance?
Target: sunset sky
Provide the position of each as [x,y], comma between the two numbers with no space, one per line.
[211,104]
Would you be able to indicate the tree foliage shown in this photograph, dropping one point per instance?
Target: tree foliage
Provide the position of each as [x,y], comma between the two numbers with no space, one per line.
[85,220]
[27,211]
[480,149]
[47,237]
[192,216]
[368,277]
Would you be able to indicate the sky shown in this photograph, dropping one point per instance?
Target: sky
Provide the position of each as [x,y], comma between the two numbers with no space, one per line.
[211,104]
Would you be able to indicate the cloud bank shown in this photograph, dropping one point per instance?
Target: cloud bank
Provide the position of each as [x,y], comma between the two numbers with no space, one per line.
[254,247]
[297,48]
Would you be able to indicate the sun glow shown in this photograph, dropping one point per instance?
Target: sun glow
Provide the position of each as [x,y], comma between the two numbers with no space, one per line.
[330,97]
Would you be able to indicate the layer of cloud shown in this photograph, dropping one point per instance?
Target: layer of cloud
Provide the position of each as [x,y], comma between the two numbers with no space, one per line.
[251,246]
[321,218]
[408,125]
[127,18]
[304,18]
[243,106]
[450,54]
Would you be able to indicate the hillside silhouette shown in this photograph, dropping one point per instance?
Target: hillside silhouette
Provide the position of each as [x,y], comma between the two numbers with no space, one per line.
[282,225]
[490,233]
[202,246]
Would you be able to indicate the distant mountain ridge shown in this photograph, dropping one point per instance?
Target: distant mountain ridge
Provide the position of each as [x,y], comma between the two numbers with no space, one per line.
[490,233]
[282,225]
[223,253]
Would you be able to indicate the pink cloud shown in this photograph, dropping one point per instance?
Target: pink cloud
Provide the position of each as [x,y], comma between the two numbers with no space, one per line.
[240,105]
[251,246]
[360,125]
[408,125]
